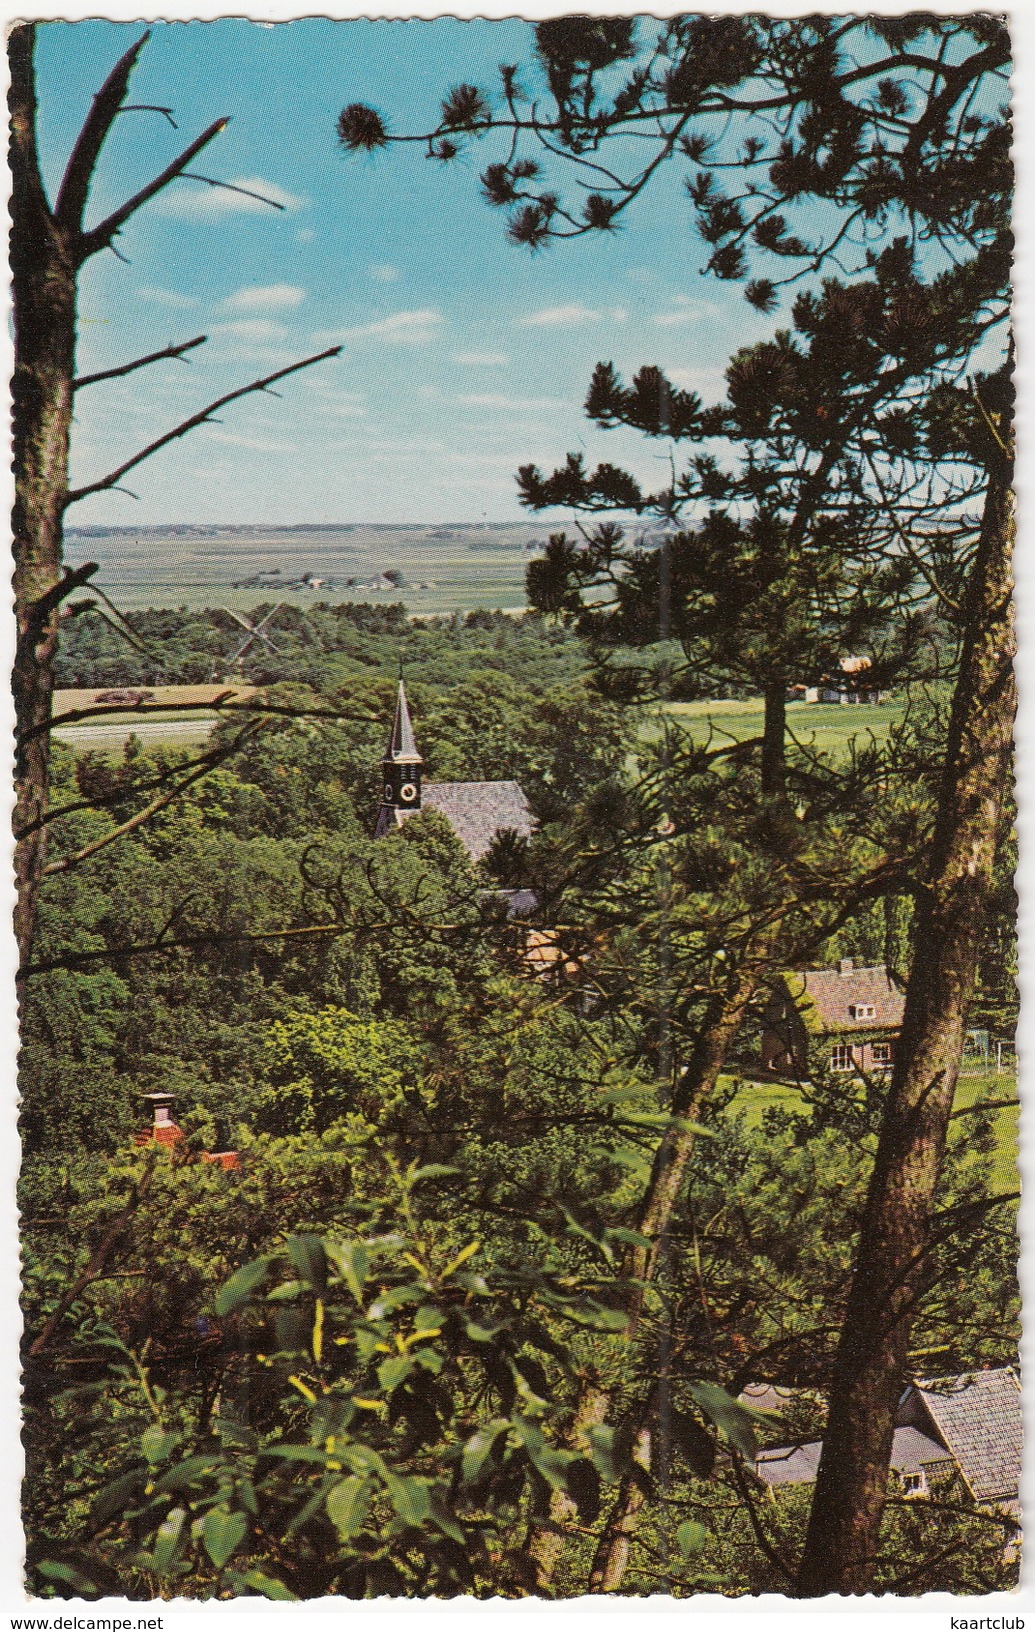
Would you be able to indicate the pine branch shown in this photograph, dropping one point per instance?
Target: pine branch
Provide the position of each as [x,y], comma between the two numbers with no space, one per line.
[200,418]
[75,184]
[139,362]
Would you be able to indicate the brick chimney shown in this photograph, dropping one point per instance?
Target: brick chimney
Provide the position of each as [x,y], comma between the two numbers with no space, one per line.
[845,966]
[163,1130]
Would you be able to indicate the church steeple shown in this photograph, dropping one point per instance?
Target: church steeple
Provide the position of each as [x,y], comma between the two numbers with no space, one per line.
[402,766]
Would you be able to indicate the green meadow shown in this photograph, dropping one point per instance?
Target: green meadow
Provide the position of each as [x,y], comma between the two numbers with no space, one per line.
[824,727]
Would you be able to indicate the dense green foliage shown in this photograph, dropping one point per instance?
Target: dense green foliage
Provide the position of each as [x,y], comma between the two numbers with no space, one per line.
[355,1363]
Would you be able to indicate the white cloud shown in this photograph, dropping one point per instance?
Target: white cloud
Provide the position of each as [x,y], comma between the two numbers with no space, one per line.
[416,328]
[265,297]
[383,272]
[556,317]
[167,297]
[252,329]
[708,382]
[481,359]
[497,399]
[258,444]
[195,201]
[686,311]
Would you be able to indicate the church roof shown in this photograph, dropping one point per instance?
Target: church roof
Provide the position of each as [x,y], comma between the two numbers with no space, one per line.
[401,743]
[476,811]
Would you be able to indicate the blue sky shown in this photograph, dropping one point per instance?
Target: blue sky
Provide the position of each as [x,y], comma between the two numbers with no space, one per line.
[463,356]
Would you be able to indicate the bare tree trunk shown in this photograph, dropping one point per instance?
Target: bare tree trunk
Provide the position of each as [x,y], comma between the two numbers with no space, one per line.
[44,275]
[891,1256]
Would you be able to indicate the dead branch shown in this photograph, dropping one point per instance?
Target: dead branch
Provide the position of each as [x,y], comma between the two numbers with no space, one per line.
[139,362]
[211,758]
[219,704]
[101,237]
[38,613]
[111,954]
[113,477]
[66,863]
[137,1192]
[75,184]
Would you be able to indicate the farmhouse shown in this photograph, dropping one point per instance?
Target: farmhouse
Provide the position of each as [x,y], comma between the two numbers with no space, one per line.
[854,1012]
[476,811]
[968,1426]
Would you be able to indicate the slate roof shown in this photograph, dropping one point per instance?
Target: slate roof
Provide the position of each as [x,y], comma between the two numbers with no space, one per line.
[798,1464]
[476,811]
[401,744]
[979,1418]
[826,997]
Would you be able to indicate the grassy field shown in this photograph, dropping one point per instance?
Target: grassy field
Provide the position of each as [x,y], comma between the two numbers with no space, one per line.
[976,1086]
[822,726]
[446,569]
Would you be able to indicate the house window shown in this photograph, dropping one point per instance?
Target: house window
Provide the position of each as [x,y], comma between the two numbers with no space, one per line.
[842,1057]
[863,1011]
[913,1484]
[881,1054]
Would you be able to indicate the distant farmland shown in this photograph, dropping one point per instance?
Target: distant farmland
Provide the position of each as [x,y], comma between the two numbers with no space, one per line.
[462,566]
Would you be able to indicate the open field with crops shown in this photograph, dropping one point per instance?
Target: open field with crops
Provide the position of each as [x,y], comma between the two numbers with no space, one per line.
[443,569]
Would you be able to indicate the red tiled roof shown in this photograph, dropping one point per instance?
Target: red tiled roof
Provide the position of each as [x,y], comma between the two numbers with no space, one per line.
[833,995]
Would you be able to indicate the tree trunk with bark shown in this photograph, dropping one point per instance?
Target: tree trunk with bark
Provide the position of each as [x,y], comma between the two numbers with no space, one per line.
[891,1257]
[44,284]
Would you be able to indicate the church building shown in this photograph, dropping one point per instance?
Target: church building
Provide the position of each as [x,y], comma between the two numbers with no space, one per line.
[476,811]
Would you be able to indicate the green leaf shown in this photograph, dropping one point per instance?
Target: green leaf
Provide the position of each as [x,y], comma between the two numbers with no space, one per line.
[54,1570]
[242,1283]
[156,1444]
[690,1538]
[116,1495]
[187,1472]
[222,1533]
[295,1453]
[393,1371]
[575,1228]
[629,1238]
[734,1419]
[478,1447]
[309,1257]
[446,1520]
[286,1291]
[599,1318]
[409,1498]
[269,1587]
[551,1463]
[393,1299]
[606,1452]
[348,1505]
[434,1170]
[353,1264]
[167,1539]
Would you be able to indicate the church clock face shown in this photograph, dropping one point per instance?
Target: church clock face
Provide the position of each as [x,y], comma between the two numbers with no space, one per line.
[407,793]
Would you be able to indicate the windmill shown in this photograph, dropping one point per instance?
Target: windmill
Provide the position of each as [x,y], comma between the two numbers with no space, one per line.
[253,632]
